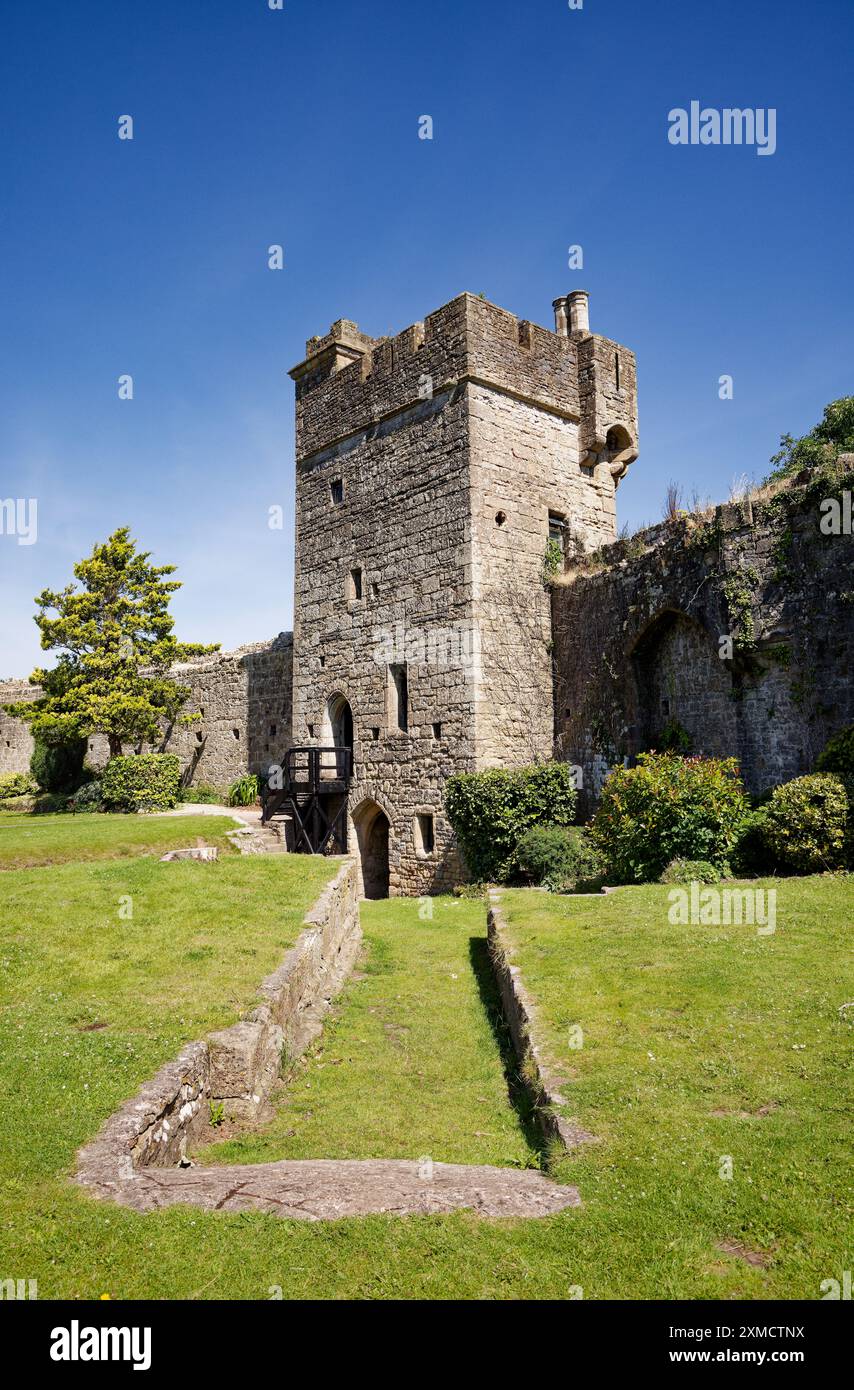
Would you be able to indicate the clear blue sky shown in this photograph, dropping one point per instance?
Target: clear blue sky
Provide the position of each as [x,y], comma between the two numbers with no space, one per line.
[300,127]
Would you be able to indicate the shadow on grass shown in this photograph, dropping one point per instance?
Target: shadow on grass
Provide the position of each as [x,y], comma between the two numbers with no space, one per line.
[490,997]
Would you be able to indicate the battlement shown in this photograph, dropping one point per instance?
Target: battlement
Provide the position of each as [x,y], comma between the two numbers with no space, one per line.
[350,382]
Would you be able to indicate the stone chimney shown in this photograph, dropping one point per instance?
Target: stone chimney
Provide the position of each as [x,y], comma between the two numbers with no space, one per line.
[579,311]
[561,324]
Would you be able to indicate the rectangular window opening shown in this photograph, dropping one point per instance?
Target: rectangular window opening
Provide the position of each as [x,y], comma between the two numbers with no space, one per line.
[354,584]
[425,833]
[399,698]
[557,530]
[437,729]
[336,491]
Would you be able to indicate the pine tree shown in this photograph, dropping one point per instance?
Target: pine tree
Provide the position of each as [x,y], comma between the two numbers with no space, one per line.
[114,637]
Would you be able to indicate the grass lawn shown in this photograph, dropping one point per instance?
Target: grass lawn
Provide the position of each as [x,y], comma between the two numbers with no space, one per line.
[702,1044]
[27,841]
[412,1064]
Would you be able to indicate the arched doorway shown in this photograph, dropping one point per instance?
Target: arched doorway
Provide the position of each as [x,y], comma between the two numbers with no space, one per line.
[338,729]
[372,833]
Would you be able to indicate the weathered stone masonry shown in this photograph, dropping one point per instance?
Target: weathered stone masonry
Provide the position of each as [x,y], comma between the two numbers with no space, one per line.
[430,469]
[243,697]
[435,470]
[641,628]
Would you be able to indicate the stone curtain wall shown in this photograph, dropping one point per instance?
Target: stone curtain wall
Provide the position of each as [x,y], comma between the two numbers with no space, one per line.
[637,639]
[239,1066]
[244,698]
[16,746]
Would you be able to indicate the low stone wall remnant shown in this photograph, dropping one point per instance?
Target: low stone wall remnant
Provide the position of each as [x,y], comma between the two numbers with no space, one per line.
[542,1084]
[237,1067]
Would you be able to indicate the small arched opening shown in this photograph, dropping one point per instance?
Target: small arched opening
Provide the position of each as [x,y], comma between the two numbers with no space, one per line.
[337,728]
[373,833]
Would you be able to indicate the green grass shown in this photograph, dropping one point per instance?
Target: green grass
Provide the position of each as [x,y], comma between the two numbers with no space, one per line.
[701,1044]
[720,1011]
[410,1064]
[27,841]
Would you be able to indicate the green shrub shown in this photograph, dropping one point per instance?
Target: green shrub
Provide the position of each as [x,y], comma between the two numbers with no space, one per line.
[690,871]
[87,798]
[49,803]
[665,808]
[204,795]
[472,891]
[20,805]
[806,823]
[58,767]
[673,738]
[243,792]
[751,856]
[838,756]
[560,857]
[490,812]
[17,784]
[146,782]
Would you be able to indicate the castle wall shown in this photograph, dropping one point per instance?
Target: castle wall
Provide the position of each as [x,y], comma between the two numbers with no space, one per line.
[641,629]
[16,745]
[242,696]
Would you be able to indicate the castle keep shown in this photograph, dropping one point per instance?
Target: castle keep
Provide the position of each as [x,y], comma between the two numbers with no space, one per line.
[462,602]
[432,470]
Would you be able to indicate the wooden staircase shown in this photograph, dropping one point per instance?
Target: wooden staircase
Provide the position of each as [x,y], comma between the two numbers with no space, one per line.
[310,807]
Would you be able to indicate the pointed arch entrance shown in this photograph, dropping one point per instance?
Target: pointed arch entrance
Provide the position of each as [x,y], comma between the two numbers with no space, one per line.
[373,832]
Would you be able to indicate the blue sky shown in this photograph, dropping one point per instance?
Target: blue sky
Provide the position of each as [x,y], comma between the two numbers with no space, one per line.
[300,127]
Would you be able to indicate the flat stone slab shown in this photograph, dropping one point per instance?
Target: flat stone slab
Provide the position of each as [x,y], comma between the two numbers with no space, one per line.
[203,852]
[327,1189]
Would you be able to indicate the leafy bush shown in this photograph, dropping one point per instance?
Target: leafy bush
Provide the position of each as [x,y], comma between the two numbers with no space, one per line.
[243,792]
[673,738]
[690,871]
[490,812]
[833,435]
[17,784]
[751,855]
[58,767]
[560,857]
[87,798]
[838,756]
[665,808]
[49,803]
[204,795]
[19,805]
[806,823]
[473,891]
[146,782]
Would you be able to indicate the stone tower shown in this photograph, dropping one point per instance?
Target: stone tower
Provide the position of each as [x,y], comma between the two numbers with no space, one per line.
[436,472]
